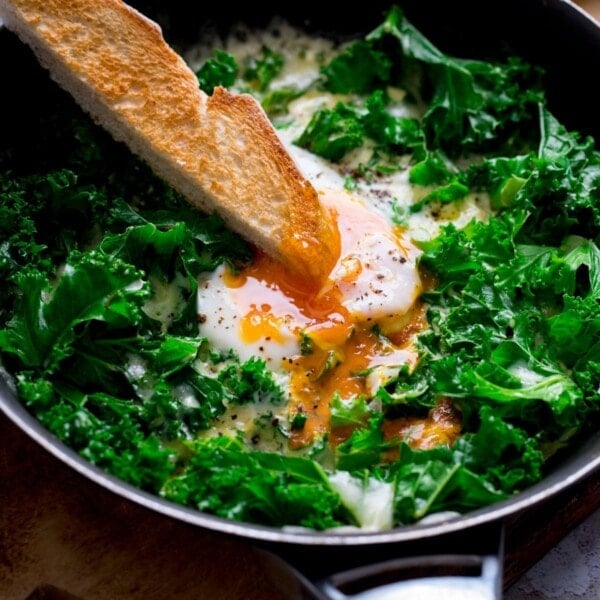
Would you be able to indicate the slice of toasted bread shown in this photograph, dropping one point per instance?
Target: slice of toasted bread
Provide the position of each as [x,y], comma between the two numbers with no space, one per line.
[219,151]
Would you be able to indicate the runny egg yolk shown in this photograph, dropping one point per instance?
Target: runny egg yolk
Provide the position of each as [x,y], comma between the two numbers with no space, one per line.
[363,317]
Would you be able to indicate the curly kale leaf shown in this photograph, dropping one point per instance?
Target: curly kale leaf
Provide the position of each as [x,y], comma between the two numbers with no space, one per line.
[359,68]
[558,186]
[365,448]
[497,314]
[467,106]
[470,105]
[223,478]
[91,287]
[105,430]
[43,217]
[480,468]
[331,133]
[397,134]
[222,69]
[261,70]
[250,381]
[564,189]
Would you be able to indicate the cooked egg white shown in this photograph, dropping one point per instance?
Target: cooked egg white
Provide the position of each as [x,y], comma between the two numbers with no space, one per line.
[263,311]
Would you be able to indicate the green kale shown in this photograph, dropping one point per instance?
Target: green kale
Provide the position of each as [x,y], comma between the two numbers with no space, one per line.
[574,333]
[222,69]
[47,321]
[558,186]
[224,479]
[365,448]
[276,102]
[332,133]
[89,362]
[409,390]
[492,327]
[455,190]
[298,421]
[251,381]
[105,430]
[471,105]
[564,188]
[430,481]
[397,134]
[34,209]
[261,70]
[359,68]
[480,468]
[354,412]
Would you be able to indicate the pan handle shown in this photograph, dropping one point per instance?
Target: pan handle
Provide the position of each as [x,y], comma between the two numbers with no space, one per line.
[440,577]
[473,571]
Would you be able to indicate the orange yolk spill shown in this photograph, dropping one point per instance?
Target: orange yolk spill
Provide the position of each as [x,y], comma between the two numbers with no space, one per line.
[261,323]
[342,346]
[441,426]
[317,377]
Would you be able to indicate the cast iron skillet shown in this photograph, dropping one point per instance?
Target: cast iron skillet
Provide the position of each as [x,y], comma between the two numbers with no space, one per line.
[461,555]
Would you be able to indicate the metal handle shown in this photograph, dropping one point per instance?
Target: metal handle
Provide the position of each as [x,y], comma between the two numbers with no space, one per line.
[459,577]
[466,565]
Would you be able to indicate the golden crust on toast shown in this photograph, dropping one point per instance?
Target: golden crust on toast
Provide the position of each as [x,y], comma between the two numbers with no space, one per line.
[220,151]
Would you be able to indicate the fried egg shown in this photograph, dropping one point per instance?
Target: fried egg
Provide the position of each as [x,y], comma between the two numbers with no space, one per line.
[322,340]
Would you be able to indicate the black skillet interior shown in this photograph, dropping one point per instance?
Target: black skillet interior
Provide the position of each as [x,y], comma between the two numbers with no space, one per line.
[548,33]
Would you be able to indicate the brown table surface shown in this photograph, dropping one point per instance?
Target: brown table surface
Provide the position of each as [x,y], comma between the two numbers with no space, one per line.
[59,531]
[590,6]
